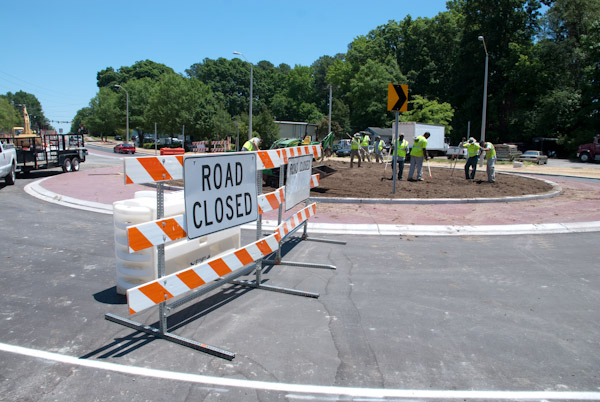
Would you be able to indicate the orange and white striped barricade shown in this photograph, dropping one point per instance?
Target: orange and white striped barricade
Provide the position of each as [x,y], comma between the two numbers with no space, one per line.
[303,153]
[200,146]
[219,146]
[210,274]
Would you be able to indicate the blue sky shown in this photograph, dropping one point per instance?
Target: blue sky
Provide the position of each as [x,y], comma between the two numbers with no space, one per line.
[54,49]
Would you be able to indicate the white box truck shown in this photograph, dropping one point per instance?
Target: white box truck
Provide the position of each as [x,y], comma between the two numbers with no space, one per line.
[436,144]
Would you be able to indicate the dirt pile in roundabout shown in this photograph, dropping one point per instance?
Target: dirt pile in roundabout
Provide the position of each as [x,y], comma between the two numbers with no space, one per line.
[372,180]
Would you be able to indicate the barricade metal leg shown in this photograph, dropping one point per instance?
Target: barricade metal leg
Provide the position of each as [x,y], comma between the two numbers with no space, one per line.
[162,330]
[280,211]
[160,250]
[212,350]
[257,283]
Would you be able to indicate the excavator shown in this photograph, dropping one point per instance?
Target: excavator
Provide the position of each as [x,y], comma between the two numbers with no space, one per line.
[23,136]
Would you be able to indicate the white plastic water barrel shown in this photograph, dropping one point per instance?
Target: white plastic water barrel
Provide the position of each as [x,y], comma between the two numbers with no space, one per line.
[134,269]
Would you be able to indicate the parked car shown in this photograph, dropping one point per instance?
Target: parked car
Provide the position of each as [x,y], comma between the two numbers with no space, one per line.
[118,138]
[342,148]
[124,148]
[533,156]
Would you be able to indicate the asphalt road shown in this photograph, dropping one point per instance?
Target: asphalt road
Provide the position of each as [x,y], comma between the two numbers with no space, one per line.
[401,318]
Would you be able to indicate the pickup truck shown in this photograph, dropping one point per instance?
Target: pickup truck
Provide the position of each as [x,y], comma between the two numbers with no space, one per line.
[8,162]
[456,152]
[533,156]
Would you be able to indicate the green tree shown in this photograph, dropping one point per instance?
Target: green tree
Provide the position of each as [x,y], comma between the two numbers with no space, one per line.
[141,69]
[80,118]
[9,117]
[431,112]
[139,93]
[265,128]
[177,101]
[368,93]
[34,109]
[508,27]
[104,117]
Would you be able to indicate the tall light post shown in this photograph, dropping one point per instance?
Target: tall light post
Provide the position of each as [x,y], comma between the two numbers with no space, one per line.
[127,106]
[329,127]
[485,83]
[251,79]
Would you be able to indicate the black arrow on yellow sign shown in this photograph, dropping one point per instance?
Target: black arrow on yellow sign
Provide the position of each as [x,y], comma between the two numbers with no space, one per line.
[397,98]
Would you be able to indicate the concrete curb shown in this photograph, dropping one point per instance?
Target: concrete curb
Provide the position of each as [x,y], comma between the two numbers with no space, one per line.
[35,189]
[441,230]
[556,190]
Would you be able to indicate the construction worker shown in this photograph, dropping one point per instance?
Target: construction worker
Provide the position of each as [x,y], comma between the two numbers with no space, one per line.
[401,148]
[364,147]
[355,149]
[417,153]
[252,144]
[473,156]
[490,156]
[378,149]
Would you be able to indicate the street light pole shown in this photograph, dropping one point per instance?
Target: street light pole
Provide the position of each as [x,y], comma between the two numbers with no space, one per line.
[329,128]
[251,80]
[127,111]
[485,84]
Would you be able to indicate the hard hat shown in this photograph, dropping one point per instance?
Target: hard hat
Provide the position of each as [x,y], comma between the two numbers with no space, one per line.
[357,135]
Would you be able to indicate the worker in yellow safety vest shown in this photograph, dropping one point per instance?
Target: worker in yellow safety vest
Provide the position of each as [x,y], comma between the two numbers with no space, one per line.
[364,147]
[401,148]
[490,156]
[355,149]
[252,144]
[417,153]
[378,149]
[473,156]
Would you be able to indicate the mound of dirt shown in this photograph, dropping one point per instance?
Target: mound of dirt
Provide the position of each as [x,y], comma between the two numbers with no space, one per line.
[372,180]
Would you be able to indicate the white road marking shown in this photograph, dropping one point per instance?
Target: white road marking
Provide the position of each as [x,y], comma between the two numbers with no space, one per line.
[297,390]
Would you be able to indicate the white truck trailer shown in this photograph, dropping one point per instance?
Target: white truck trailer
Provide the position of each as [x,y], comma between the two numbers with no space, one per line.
[436,144]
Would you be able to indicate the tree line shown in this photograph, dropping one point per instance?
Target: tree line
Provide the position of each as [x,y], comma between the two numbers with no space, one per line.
[543,80]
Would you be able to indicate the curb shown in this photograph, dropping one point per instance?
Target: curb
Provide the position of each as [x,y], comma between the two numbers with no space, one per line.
[35,189]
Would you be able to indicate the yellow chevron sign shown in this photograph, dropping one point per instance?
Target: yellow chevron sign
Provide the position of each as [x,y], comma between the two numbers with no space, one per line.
[397,97]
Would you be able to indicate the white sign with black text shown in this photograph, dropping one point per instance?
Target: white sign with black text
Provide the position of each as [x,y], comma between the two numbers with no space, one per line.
[297,185]
[220,192]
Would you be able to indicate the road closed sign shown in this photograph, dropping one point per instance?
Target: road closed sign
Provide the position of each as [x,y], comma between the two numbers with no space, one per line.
[297,183]
[220,192]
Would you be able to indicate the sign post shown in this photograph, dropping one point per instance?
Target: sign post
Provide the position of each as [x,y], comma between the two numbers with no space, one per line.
[398,102]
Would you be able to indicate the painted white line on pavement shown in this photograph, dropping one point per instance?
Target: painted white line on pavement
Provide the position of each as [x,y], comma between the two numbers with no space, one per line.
[301,388]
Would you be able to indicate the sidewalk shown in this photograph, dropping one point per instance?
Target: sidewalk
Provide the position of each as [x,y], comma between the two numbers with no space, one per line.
[575,209]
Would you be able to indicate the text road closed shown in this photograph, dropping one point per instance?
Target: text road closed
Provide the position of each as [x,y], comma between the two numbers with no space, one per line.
[297,185]
[220,192]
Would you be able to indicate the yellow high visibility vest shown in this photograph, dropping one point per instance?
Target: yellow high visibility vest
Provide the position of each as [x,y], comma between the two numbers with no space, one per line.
[492,152]
[418,146]
[365,141]
[401,148]
[472,149]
